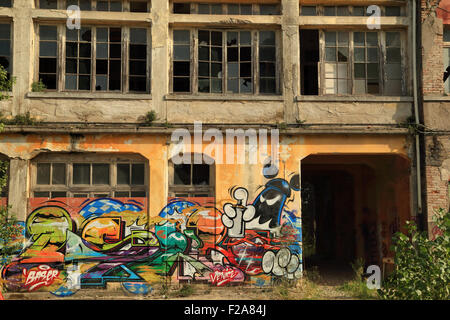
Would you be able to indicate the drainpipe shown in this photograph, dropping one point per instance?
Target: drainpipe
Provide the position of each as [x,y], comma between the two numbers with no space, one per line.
[416,107]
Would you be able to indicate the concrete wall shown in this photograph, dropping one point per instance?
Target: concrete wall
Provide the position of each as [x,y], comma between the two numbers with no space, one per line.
[117,107]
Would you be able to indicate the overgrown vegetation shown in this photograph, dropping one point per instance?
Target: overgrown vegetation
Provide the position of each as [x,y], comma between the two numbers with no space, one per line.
[20,119]
[38,86]
[357,287]
[6,83]
[149,118]
[422,265]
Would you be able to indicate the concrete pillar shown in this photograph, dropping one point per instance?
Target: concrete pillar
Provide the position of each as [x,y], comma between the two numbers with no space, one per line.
[290,81]
[160,53]
[22,51]
[18,188]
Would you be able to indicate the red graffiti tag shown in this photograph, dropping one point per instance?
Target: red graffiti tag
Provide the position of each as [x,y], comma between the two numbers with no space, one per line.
[223,277]
[40,276]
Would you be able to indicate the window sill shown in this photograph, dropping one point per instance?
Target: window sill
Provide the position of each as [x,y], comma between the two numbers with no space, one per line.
[89,95]
[353,99]
[7,94]
[444,98]
[186,97]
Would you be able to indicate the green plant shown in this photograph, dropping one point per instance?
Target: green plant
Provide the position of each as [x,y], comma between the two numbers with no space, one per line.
[422,265]
[10,229]
[149,118]
[186,290]
[38,86]
[357,287]
[6,83]
[282,126]
[20,119]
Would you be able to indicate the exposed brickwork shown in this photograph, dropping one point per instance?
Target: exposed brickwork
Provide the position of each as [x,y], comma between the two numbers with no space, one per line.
[432,49]
[437,189]
[434,17]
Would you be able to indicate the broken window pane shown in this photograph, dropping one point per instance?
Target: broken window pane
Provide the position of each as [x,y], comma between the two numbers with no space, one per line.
[138,60]
[200,174]
[48,55]
[182,174]
[181,61]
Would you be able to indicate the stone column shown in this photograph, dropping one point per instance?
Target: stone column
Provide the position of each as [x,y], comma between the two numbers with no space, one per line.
[18,188]
[290,81]
[160,56]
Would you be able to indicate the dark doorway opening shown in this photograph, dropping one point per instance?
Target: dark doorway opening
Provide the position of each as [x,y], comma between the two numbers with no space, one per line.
[351,207]
[309,58]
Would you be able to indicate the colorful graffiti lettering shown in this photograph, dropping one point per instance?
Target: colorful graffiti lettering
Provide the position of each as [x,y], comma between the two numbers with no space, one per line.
[74,243]
[43,275]
[222,277]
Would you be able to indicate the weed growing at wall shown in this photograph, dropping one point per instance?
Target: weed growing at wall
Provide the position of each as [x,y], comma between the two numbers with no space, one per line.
[38,86]
[357,287]
[422,265]
[6,83]
[20,119]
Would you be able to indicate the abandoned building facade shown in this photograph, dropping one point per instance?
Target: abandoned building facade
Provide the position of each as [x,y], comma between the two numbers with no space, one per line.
[327,96]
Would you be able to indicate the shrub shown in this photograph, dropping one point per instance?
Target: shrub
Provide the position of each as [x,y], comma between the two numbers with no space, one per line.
[422,265]
[6,83]
[38,86]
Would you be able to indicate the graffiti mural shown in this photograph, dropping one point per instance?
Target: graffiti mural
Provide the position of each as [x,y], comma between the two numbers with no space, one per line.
[73,243]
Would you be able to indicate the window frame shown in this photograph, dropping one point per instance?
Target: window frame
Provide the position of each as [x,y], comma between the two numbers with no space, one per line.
[125,57]
[194,62]
[72,190]
[11,46]
[191,189]
[381,36]
[255,8]
[446,46]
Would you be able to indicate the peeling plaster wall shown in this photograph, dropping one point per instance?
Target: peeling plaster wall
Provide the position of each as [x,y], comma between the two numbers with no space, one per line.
[117,107]
[354,112]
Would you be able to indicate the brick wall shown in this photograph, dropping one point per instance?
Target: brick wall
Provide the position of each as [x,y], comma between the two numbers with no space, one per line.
[432,49]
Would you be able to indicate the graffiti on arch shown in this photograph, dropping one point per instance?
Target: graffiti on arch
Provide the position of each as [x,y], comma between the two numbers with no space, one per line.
[73,243]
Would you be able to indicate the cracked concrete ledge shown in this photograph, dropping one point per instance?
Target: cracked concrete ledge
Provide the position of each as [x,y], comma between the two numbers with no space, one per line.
[163,129]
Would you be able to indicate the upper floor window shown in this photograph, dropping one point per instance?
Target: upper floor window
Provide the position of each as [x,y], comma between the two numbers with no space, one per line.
[48,4]
[219,61]
[353,62]
[84,176]
[356,11]
[5,47]
[446,39]
[227,8]
[6,3]
[98,5]
[95,58]
[191,180]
